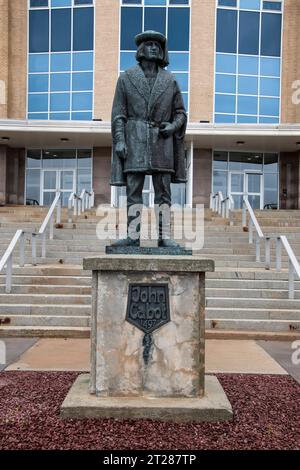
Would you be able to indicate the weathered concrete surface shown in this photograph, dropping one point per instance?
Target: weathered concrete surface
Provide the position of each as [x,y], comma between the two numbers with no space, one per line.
[176,366]
[178,264]
[214,406]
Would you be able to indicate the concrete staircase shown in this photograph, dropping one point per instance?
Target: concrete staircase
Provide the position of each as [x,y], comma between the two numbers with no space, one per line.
[54,297]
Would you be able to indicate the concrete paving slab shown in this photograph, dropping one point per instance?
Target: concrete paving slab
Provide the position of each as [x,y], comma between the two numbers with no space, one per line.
[239,356]
[56,354]
[228,356]
[214,406]
[13,348]
[285,355]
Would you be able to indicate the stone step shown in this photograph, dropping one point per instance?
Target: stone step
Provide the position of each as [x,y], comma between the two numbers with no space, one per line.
[44,331]
[234,302]
[49,321]
[7,310]
[50,270]
[248,293]
[253,314]
[252,325]
[46,289]
[47,299]
[247,284]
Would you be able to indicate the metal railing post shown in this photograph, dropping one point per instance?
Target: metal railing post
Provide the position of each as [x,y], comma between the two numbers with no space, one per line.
[250,228]
[257,249]
[22,250]
[278,254]
[268,252]
[244,216]
[44,245]
[58,211]
[9,266]
[291,281]
[33,248]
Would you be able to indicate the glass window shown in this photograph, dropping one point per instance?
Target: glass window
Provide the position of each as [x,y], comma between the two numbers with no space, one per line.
[60,62]
[61,3]
[268,120]
[246,119]
[270,67]
[225,118]
[82,81]
[84,159]
[179,21]
[183,81]
[225,83]
[225,103]
[248,85]
[83,61]
[226,31]
[38,3]
[271,34]
[83,29]
[247,105]
[269,106]
[38,62]
[271,189]
[37,103]
[60,81]
[59,116]
[155,19]
[179,2]
[227,3]
[131,25]
[249,32]
[248,65]
[82,101]
[33,184]
[132,2]
[33,159]
[61,29]
[127,60]
[83,2]
[220,182]
[38,83]
[59,101]
[226,63]
[245,161]
[38,116]
[271,163]
[179,61]
[272,6]
[250,4]
[39,31]
[270,86]
[88,116]
[155,2]
[220,160]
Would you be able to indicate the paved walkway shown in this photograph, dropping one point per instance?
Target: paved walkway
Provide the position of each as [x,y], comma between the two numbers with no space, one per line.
[228,356]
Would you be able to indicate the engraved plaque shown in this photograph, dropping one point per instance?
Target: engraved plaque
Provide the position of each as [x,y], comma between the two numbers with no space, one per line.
[148,306]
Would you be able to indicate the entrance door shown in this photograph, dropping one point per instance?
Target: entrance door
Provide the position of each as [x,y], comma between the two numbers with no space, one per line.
[246,184]
[57,180]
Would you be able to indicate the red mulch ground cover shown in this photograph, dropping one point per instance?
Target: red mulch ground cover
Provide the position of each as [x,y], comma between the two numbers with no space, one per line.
[266,410]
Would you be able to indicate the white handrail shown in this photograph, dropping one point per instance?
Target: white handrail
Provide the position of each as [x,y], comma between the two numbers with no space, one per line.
[253,223]
[49,219]
[7,258]
[294,266]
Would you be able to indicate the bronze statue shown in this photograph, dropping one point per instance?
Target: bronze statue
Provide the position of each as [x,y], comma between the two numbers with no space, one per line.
[148,129]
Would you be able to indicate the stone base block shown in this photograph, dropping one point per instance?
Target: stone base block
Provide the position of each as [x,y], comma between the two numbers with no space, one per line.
[214,406]
[147,250]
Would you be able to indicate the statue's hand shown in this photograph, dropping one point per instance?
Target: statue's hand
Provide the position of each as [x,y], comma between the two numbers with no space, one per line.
[121,150]
[166,129]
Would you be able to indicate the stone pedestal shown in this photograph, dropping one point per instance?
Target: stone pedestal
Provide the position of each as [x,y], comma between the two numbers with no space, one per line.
[137,370]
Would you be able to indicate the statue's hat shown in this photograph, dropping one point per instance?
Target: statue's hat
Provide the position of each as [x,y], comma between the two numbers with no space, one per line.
[150,36]
[154,36]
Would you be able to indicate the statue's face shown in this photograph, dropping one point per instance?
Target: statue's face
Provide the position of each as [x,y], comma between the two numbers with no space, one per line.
[151,50]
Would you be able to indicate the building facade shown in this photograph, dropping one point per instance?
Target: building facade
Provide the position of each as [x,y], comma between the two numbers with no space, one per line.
[236,61]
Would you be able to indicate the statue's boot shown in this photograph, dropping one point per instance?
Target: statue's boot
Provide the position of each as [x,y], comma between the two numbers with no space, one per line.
[126,242]
[164,232]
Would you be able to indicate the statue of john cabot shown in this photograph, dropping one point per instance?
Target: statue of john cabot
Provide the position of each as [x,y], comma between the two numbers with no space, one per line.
[148,129]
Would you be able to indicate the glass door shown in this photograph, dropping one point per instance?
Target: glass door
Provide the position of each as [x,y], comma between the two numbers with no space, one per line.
[248,184]
[253,184]
[57,180]
[49,186]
